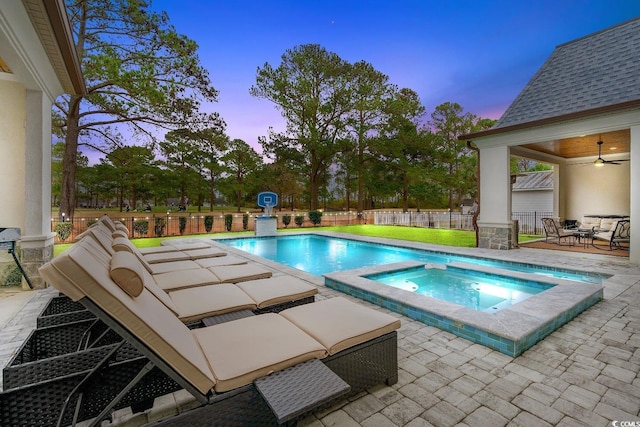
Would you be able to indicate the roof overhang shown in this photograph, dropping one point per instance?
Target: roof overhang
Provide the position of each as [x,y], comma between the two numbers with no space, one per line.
[609,109]
[50,21]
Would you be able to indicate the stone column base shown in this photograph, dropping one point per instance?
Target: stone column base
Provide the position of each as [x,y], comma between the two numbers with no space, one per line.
[34,253]
[497,236]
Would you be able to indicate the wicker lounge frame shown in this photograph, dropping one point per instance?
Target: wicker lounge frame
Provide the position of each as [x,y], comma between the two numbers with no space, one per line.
[128,373]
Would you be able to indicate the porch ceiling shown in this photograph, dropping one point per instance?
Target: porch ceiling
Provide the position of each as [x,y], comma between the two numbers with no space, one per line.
[585,145]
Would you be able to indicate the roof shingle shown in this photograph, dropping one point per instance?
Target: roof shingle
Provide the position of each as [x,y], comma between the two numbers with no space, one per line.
[594,71]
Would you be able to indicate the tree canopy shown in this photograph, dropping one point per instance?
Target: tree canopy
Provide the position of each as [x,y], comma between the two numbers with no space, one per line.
[140,73]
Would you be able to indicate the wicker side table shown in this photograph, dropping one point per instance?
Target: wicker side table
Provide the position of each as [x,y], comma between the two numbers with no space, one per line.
[293,392]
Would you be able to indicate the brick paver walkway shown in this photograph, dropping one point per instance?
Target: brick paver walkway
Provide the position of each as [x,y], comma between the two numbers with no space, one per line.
[584,374]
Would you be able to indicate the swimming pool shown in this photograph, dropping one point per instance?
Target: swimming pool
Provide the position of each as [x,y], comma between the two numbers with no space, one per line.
[319,255]
[478,291]
[348,263]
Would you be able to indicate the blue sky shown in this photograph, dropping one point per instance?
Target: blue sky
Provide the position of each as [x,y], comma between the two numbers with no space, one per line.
[479,54]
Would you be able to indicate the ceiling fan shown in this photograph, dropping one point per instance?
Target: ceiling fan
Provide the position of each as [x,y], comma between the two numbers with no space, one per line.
[601,162]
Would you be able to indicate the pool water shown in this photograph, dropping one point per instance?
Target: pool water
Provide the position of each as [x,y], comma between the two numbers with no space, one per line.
[482,292]
[320,255]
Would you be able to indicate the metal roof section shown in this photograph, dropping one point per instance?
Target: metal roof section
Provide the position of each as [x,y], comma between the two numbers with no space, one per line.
[526,181]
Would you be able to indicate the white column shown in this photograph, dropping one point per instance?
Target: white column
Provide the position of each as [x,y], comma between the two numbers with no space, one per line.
[634,250]
[495,198]
[37,238]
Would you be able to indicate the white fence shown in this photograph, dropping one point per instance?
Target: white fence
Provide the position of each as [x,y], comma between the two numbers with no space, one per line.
[446,220]
[528,222]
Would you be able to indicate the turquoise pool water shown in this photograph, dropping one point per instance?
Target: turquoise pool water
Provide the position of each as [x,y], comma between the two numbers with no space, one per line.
[478,291]
[319,255]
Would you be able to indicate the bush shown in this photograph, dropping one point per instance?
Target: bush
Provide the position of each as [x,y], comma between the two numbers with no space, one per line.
[245,221]
[14,278]
[286,220]
[91,222]
[315,217]
[141,227]
[228,222]
[208,223]
[182,224]
[63,229]
[159,227]
[299,220]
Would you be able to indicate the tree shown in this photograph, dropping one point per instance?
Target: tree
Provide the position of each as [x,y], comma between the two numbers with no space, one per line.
[400,146]
[140,74]
[241,160]
[370,91]
[180,158]
[311,89]
[134,166]
[448,122]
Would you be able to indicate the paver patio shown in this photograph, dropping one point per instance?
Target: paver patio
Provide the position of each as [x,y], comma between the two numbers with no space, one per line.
[583,374]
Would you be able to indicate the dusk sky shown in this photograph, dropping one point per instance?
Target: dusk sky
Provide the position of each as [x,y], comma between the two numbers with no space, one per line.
[479,54]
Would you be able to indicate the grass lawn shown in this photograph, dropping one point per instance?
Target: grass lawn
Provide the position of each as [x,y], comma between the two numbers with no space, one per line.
[456,238]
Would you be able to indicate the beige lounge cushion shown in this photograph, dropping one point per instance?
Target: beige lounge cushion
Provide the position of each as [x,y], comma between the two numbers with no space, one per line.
[166,257]
[204,253]
[157,250]
[119,233]
[120,226]
[169,266]
[339,324]
[277,290]
[181,279]
[195,304]
[221,260]
[122,244]
[240,273]
[127,272]
[144,315]
[186,244]
[241,351]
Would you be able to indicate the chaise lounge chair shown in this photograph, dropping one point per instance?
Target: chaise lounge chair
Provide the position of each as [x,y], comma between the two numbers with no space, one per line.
[218,365]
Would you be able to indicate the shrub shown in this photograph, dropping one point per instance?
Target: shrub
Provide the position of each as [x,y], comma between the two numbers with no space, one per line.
[315,217]
[208,223]
[63,229]
[14,278]
[245,221]
[159,227]
[91,222]
[182,224]
[299,220]
[228,222]
[286,220]
[141,227]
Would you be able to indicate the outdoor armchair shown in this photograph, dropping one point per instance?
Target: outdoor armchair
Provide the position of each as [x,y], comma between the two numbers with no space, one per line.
[553,230]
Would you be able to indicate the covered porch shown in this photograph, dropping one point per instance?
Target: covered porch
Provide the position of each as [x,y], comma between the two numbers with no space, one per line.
[570,105]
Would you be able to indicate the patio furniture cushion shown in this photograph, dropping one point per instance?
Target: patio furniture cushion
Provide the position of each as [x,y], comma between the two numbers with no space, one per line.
[240,273]
[339,324]
[128,273]
[590,223]
[221,260]
[194,304]
[173,280]
[277,290]
[246,349]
